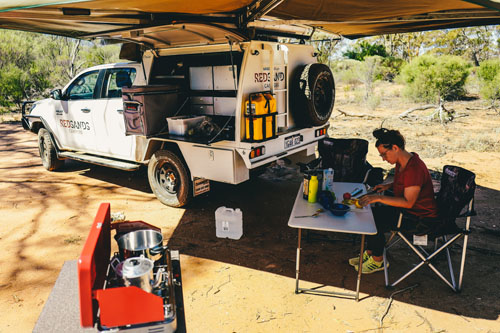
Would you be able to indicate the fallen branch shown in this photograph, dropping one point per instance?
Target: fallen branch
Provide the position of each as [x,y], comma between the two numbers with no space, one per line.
[419,108]
[390,301]
[362,115]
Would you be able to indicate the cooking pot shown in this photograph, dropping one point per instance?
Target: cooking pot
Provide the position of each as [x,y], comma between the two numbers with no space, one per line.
[148,243]
[138,272]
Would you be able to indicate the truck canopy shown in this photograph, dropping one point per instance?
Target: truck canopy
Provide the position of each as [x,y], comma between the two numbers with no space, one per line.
[247,19]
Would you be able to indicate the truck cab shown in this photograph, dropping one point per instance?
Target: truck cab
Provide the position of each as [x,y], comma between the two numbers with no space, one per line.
[197,103]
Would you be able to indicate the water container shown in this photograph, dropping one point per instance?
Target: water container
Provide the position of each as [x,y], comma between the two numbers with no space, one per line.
[228,223]
[328,180]
[313,189]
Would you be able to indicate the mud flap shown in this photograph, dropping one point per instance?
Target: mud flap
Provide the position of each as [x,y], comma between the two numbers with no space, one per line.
[200,186]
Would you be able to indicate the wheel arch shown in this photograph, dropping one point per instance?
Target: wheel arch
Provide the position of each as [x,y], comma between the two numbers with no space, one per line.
[156,145]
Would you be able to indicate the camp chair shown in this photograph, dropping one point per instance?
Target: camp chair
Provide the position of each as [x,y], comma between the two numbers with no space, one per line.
[456,193]
[347,157]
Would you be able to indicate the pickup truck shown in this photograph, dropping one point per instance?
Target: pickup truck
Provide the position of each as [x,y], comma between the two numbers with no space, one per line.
[185,107]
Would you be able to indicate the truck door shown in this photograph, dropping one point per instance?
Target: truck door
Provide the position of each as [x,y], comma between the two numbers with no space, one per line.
[76,128]
[108,120]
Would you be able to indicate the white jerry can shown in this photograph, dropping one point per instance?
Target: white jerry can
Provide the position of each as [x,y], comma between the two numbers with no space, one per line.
[228,223]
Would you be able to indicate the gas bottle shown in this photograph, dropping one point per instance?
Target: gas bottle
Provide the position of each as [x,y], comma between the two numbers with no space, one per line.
[313,189]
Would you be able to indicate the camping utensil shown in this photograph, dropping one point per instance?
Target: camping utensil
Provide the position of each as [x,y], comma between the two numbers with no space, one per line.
[319,211]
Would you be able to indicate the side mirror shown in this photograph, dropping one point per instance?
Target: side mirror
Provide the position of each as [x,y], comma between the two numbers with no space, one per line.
[56,94]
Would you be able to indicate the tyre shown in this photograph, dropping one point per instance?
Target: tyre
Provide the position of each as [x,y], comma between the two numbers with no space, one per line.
[313,95]
[169,179]
[47,151]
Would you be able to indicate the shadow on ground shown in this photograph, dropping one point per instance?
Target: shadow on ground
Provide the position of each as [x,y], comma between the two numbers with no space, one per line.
[268,244]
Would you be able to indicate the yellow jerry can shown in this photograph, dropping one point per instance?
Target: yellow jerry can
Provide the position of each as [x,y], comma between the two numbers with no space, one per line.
[260,117]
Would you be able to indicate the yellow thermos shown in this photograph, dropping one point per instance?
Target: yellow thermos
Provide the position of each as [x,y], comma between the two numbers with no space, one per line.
[313,189]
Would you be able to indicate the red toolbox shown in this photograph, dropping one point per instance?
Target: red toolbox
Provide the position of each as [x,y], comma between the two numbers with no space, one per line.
[110,298]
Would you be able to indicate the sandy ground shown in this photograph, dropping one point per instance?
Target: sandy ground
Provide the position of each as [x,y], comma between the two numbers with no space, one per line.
[245,285]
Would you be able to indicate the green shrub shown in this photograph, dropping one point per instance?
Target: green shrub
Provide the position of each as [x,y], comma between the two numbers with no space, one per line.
[365,49]
[489,79]
[429,78]
[347,71]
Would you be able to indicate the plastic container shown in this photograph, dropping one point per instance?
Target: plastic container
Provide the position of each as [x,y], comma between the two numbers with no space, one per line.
[228,223]
[328,180]
[313,189]
[181,124]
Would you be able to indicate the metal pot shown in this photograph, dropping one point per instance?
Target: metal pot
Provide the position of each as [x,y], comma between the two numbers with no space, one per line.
[148,243]
[138,272]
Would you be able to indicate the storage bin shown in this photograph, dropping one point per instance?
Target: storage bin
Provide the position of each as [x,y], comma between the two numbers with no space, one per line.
[228,223]
[146,107]
[260,117]
[180,125]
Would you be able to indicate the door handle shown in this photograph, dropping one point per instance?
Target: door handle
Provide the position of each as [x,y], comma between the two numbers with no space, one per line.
[85,110]
[119,111]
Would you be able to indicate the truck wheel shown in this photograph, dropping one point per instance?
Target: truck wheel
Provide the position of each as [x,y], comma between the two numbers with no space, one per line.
[313,95]
[47,151]
[169,179]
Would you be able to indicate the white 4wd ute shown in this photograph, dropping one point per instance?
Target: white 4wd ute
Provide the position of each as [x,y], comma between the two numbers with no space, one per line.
[182,109]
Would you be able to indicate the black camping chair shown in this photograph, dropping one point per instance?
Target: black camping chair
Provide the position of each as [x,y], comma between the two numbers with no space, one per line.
[347,157]
[455,195]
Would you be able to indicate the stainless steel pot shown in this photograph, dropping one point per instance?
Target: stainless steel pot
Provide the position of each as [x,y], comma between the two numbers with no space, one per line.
[138,272]
[148,243]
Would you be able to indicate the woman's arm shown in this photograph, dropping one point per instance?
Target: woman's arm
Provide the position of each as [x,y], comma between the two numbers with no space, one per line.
[408,199]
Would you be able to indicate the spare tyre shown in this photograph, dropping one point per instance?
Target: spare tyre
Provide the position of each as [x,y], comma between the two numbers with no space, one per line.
[312,95]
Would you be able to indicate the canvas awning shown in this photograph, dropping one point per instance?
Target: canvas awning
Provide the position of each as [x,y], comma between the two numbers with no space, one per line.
[350,18]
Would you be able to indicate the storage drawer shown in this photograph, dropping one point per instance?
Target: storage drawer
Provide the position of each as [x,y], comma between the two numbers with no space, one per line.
[202,100]
[224,106]
[202,109]
[223,78]
[201,78]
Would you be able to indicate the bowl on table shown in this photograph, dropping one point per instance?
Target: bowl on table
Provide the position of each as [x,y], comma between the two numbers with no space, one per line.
[339,209]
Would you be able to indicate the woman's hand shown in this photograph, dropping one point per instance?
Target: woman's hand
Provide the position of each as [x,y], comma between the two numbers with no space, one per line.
[365,200]
[382,187]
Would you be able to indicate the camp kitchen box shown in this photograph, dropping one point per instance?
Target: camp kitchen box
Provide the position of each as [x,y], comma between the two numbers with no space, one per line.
[146,107]
[107,303]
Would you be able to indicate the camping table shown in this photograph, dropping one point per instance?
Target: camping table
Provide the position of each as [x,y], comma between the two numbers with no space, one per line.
[356,221]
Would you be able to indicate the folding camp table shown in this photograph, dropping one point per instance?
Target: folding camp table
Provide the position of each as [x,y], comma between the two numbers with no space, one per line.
[356,221]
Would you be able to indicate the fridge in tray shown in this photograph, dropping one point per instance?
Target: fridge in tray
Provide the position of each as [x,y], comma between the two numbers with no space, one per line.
[146,107]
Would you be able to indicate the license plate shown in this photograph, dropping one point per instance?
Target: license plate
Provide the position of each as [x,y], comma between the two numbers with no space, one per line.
[292,141]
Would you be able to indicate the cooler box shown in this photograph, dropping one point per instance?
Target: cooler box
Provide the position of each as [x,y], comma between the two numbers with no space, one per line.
[260,117]
[180,125]
[146,107]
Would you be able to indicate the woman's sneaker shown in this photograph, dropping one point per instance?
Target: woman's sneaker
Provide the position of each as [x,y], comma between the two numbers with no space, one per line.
[355,261]
[371,266]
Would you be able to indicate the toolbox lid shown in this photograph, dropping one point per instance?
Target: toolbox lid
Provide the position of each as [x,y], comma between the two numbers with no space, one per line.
[94,260]
[93,264]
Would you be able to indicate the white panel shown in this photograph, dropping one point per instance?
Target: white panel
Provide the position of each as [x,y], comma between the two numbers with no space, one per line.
[223,78]
[201,78]
[225,106]
[210,163]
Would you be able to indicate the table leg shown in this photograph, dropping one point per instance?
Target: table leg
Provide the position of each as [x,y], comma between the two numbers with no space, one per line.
[297,263]
[360,266]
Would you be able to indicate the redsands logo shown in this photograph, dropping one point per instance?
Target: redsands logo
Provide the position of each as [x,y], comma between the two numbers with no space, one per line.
[265,77]
[72,124]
